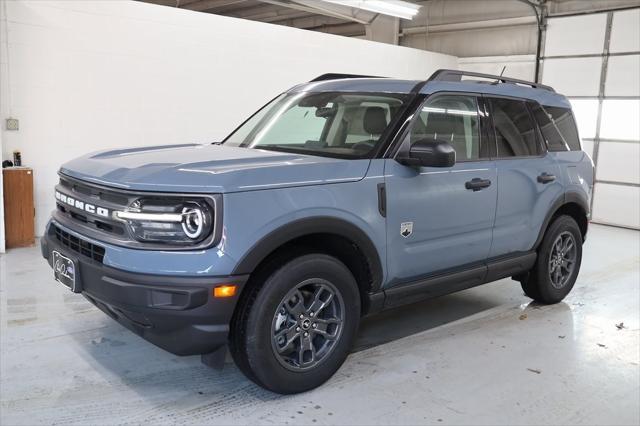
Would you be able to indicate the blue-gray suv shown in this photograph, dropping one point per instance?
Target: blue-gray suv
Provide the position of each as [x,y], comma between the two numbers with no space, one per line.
[340,198]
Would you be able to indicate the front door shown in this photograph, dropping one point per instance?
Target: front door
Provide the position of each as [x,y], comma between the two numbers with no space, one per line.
[434,222]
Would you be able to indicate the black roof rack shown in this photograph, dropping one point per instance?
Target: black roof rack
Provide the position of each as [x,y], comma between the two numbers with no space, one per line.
[456,75]
[336,76]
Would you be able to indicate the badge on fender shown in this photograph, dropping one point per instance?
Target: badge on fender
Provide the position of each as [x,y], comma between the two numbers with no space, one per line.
[406,228]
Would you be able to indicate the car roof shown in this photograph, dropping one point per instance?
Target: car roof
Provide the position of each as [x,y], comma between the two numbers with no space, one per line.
[509,87]
[378,85]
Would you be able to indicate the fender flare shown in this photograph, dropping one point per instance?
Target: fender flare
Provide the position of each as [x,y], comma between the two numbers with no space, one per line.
[579,198]
[307,226]
[574,197]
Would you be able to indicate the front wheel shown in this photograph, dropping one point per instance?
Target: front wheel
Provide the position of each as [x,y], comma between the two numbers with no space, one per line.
[299,326]
[558,263]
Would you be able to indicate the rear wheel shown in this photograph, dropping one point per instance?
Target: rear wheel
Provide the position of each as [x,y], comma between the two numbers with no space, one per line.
[558,263]
[297,328]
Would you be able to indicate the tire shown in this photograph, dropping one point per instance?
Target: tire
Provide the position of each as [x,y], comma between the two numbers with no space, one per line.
[268,340]
[552,277]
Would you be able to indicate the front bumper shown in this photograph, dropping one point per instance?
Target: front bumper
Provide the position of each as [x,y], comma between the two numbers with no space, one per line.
[176,313]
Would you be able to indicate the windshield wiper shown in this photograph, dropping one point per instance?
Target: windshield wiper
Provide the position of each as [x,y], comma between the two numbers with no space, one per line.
[305,151]
[284,148]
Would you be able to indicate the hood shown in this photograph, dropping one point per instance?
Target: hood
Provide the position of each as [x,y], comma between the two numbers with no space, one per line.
[210,169]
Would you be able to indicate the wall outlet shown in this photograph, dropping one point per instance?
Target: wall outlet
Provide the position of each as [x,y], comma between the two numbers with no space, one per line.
[12,124]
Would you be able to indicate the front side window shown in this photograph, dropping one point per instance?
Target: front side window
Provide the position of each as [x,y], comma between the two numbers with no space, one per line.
[334,124]
[453,119]
[557,126]
[515,132]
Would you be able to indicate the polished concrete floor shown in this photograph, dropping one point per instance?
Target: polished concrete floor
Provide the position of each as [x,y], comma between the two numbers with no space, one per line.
[483,356]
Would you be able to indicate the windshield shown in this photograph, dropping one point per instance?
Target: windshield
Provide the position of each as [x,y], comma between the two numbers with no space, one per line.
[334,124]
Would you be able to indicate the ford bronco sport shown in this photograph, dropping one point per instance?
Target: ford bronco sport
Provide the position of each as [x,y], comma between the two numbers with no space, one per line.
[339,198]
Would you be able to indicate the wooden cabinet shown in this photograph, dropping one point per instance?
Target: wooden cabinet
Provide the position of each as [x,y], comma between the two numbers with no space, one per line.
[19,212]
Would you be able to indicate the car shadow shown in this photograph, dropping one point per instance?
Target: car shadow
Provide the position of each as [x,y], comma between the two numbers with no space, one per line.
[140,366]
[403,321]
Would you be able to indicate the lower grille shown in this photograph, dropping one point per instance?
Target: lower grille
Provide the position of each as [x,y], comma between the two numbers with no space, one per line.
[79,245]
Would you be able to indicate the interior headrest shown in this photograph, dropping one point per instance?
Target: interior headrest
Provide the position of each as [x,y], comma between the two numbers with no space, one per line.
[375,120]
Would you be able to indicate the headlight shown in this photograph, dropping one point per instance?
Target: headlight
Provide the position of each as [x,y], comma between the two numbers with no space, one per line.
[178,222]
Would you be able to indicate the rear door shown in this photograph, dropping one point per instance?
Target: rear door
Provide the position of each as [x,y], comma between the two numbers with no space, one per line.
[434,222]
[528,177]
[560,134]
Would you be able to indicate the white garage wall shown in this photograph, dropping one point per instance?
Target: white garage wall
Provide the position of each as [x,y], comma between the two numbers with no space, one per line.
[623,75]
[89,75]
[515,66]
[3,107]
[595,60]
[575,35]
[576,76]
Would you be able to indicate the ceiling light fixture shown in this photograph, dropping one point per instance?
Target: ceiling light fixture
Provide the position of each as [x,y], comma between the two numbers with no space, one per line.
[399,8]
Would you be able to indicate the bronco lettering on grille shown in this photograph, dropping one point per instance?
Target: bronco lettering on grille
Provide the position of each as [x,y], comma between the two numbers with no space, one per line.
[81,205]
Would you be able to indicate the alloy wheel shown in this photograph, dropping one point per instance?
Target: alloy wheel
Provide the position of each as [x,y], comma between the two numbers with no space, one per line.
[307,324]
[562,259]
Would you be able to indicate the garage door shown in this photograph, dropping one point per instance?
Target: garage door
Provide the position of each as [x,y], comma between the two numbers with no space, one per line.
[595,60]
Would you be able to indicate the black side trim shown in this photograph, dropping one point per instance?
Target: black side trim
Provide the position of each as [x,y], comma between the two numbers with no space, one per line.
[434,287]
[457,280]
[382,199]
[315,225]
[507,267]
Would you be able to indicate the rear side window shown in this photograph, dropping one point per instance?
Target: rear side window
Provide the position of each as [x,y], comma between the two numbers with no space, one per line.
[515,131]
[558,127]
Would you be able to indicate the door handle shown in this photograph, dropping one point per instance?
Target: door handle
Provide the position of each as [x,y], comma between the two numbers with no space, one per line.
[476,184]
[546,178]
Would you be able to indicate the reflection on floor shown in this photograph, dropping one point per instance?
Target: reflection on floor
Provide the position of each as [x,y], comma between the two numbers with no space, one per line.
[483,356]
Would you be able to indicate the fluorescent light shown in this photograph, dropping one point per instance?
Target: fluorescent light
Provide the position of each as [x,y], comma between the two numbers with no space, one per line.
[399,8]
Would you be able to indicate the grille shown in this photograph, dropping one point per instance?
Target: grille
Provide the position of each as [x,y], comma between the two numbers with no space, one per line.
[79,245]
[92,192]
[99,197]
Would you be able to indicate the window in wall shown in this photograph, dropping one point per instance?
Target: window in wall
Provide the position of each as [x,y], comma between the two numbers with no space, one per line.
[620,119]
[515,132]
[453,119]
[557,126]
[585,111]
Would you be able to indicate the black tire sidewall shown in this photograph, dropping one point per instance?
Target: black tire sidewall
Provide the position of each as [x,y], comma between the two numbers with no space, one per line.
[259,352]
[545,289]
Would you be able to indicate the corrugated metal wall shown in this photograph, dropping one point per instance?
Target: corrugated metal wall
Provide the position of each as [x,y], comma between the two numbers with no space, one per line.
[595,60]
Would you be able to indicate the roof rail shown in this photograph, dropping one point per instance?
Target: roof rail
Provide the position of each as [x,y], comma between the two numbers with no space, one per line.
[336,76]
[456,75]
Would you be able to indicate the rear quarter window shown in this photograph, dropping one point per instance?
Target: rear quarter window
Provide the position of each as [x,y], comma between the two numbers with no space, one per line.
[558,127]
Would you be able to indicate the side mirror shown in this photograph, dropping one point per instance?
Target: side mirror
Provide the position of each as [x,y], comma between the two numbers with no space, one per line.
[429,153]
